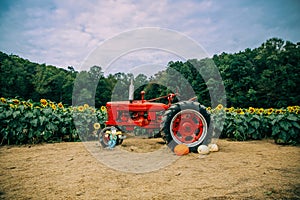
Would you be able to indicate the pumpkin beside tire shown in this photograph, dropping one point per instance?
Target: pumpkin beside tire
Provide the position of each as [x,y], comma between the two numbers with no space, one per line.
[181,149]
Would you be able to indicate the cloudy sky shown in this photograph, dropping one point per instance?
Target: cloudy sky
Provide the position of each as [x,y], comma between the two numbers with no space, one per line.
[64,32]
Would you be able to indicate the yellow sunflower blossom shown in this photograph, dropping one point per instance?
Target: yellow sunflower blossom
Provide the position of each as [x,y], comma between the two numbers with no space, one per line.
[297,108]
[60,105]
[251,110]
[290,109]
[16,101]
[227,110]
[220,107]
[260,111]
[12,105]
[51,103]
[86,105]
[80,108]
[53,106]
[270,111]
[3,100]
[97,126]
[208,108]
[92,110]
[44,102]
[103,108]
[278,111]
[231,109]
[240,111]
[24,103]
[29,104]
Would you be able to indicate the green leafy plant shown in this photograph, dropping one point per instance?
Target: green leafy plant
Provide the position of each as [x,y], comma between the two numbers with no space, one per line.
[256,123]
[27,122]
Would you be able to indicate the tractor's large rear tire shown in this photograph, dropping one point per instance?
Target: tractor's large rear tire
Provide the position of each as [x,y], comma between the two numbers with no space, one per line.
[186,123]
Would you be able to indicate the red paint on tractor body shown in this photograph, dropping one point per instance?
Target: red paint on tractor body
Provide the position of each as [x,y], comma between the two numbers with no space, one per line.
[136,113]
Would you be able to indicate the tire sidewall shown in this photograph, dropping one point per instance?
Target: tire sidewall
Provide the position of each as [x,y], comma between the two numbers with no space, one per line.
[181,107]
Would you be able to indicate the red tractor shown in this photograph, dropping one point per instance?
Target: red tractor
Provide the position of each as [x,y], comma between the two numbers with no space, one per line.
[183,122]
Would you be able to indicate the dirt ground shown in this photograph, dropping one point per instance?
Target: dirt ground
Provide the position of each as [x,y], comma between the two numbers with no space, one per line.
[240,170]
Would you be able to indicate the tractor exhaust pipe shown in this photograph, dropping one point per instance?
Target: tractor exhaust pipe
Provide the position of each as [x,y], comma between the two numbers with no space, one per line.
[131,91]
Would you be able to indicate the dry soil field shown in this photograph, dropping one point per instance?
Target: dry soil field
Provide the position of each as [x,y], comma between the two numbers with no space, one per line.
[240,170]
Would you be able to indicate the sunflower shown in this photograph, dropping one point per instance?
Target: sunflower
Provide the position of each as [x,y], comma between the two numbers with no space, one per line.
[231,109]
[270,111]
[80,108]
[97,126]
[278,111]
[60,105]
[220,107]
[16,101]
[260,111]
[240,111]
[92,110]
[208,108]
[12,105]
[3,100]
[44,102]
[51,103]
[290,109]
[227,110]
[86,105]
[103,108]
[29,104]
[251,110]
[296,107]
[53,106]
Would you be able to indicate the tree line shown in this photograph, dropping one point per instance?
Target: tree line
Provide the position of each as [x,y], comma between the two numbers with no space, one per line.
[267,76]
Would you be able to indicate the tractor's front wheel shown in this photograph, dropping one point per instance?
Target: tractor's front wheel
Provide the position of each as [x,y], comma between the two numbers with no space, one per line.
[105,137]
[186,123]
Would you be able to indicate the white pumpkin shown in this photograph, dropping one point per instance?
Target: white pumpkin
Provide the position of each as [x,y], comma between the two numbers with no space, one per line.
[213,147]
[203,149]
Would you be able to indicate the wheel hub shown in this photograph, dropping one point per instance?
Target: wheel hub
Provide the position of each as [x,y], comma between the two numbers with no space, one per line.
[187,126]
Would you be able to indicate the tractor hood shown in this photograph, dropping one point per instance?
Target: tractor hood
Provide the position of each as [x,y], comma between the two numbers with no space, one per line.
[137,106]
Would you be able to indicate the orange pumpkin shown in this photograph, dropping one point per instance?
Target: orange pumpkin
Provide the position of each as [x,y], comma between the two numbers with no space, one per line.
[181,149]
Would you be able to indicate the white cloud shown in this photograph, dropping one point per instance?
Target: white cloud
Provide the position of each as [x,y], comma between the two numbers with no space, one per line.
[63,33]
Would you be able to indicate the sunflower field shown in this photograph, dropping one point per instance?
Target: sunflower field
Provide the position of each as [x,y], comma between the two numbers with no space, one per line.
[283,125]
[27,122]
